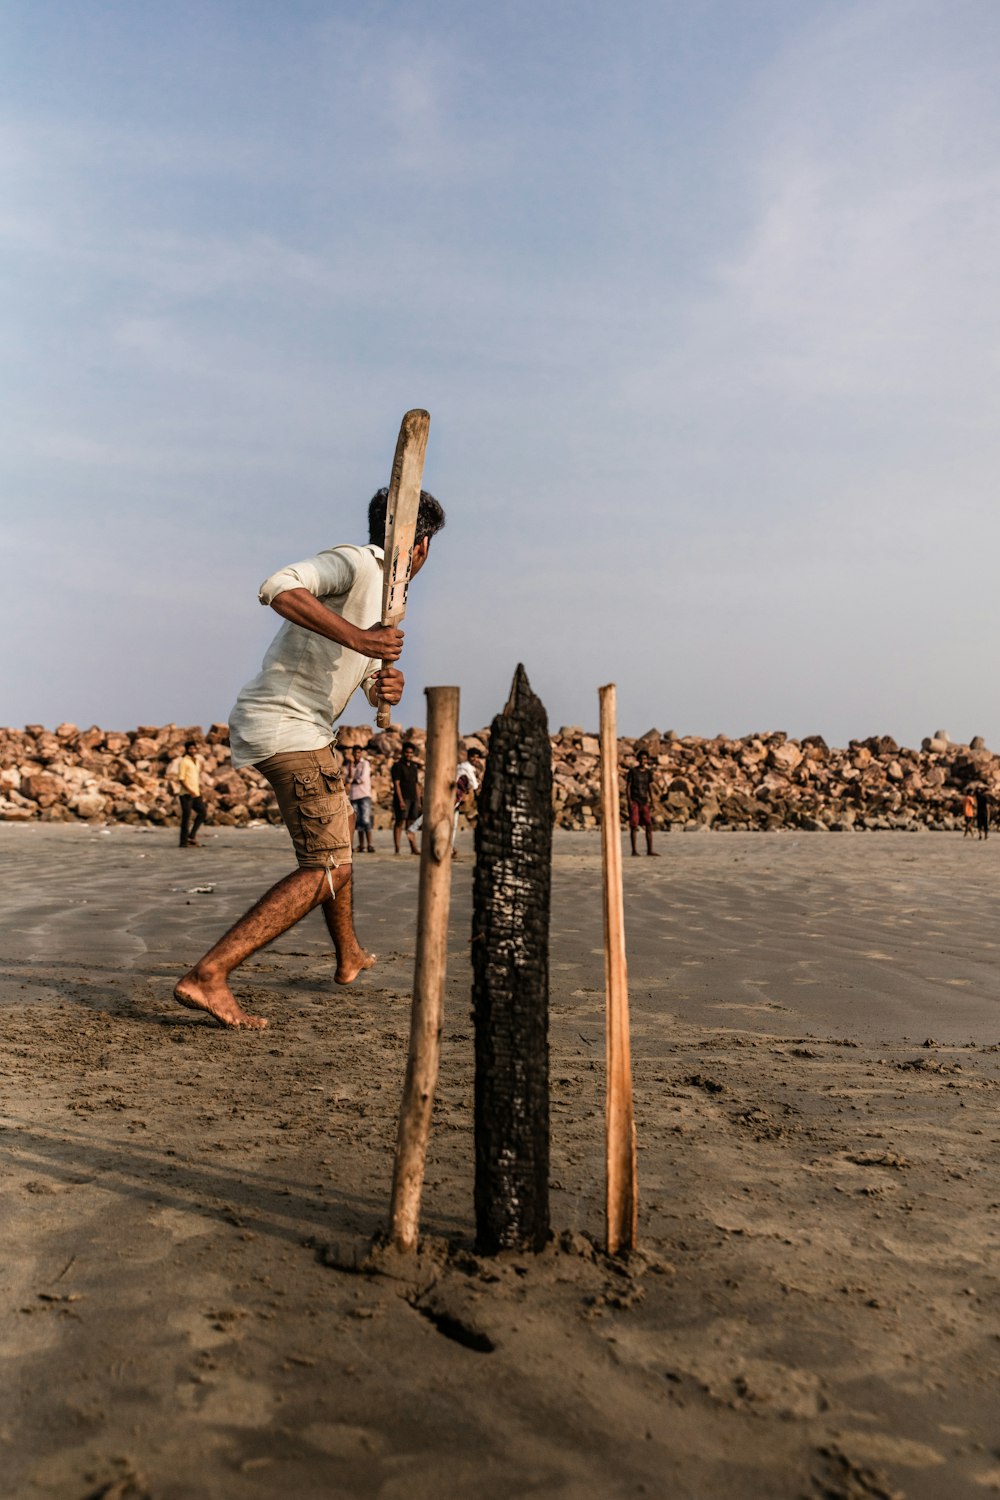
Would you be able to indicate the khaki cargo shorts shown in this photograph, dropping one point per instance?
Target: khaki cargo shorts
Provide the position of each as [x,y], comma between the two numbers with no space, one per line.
[309,787]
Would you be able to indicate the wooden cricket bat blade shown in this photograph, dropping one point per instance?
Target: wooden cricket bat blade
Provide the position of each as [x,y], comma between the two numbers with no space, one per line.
[402,508]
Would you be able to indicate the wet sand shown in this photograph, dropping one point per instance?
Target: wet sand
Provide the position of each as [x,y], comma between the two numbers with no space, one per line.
[814,1310]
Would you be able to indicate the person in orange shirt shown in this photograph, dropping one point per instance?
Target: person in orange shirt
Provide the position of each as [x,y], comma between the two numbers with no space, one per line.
[969,814]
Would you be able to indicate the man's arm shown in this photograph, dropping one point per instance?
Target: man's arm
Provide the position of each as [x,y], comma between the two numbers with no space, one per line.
[383,642]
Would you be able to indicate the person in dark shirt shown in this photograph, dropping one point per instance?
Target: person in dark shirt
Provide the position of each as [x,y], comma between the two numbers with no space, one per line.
[983,812]
[639,791]
[406,798]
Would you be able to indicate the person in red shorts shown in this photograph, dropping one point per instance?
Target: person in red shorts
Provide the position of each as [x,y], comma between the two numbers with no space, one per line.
[639,791]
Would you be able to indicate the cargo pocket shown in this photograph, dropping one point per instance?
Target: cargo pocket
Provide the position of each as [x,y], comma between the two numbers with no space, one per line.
[317,820]
[307,784]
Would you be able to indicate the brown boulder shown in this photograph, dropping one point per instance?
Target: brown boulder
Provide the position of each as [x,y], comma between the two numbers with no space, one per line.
[386,742]
[88,805]
[42,787]
[354,734]
[784,757]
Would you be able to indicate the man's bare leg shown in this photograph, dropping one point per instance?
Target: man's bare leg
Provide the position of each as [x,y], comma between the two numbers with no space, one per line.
[397,836]
[338,914]
[206,986]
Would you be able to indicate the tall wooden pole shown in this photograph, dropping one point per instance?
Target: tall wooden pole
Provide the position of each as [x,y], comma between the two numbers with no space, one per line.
[433,904]
[621,1202]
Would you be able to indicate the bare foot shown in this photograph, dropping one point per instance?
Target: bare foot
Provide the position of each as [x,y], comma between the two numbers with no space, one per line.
[348,970]
[215,997]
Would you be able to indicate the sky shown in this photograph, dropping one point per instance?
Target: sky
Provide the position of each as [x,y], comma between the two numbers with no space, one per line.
[701,295]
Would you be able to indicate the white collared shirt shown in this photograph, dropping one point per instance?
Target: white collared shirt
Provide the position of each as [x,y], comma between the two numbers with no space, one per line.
[306,680]
[359,778]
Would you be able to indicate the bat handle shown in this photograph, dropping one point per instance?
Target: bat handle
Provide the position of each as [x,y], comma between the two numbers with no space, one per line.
[383,715]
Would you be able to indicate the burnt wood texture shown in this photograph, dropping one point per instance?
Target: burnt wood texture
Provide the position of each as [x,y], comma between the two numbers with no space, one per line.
[510,987]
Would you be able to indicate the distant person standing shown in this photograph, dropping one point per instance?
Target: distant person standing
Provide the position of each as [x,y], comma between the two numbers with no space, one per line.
[468,774]
[358,775]
[969,814]
[983,812]
[187,773]
[407,801]
[639,793]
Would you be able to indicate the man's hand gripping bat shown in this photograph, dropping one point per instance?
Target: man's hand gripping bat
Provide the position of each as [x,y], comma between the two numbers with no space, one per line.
[401,524]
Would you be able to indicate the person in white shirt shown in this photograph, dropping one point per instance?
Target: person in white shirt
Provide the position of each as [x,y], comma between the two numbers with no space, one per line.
[467,774]
[358,770]
[284,724]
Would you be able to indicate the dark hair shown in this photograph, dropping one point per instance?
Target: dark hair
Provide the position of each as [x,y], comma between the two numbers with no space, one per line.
[190,744]
[430,517]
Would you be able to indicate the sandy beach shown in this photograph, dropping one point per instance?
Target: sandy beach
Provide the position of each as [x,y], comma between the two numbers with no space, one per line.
[188,1306]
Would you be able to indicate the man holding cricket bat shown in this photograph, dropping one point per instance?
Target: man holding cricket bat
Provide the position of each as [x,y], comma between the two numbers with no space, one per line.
[284,725]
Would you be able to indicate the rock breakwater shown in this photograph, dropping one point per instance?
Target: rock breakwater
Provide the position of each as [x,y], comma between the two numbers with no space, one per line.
[764,781]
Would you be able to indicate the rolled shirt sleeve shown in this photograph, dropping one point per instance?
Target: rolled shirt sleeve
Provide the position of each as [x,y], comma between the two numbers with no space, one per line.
[306,679]
[330,572]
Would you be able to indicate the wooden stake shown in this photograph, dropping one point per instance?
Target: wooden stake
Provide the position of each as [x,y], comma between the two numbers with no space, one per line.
[511,898]
[621,1200]
[431,964]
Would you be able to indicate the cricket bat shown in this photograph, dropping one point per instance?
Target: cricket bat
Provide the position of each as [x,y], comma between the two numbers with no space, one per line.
[401,524]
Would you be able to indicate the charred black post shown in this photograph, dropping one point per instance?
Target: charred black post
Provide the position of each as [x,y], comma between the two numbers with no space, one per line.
[510,985]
